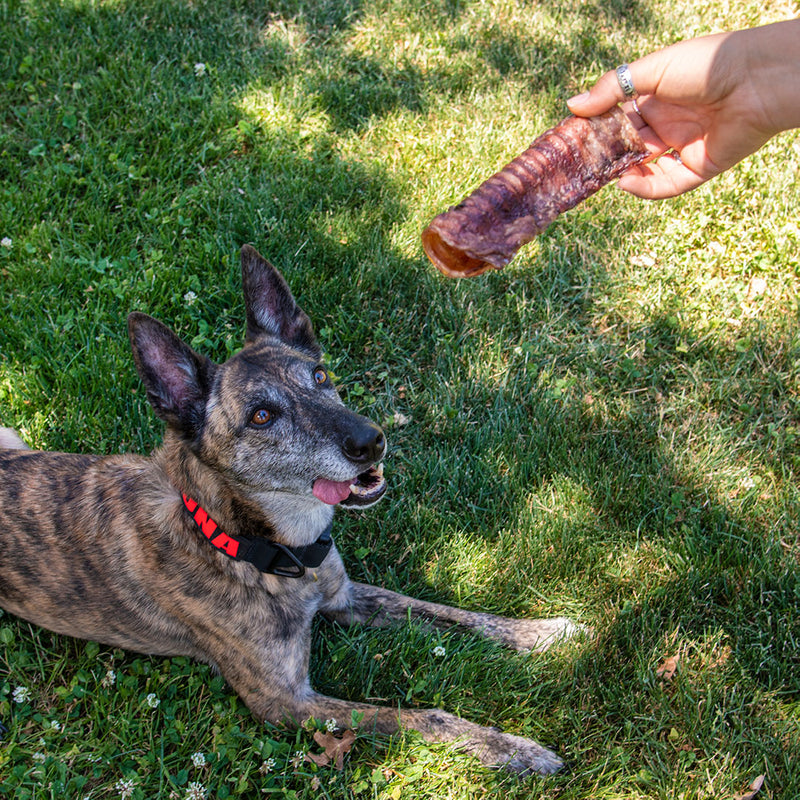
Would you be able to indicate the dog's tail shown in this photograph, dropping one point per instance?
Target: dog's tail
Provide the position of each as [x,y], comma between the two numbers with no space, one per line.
[9,440]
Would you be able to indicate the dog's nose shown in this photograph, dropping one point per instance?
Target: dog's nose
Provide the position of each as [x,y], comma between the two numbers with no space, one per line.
[364,444]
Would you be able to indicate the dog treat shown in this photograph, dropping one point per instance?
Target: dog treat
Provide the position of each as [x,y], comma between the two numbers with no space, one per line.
[561,168]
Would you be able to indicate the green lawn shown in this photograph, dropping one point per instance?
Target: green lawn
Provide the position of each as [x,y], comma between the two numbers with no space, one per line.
[608,429]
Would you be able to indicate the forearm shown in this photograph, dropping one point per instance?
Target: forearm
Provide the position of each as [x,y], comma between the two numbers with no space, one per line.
[770,55]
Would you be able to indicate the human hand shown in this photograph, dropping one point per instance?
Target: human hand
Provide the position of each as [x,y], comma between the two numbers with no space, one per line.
[705,104]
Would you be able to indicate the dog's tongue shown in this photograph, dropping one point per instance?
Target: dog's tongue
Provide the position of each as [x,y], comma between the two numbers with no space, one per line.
[331,492]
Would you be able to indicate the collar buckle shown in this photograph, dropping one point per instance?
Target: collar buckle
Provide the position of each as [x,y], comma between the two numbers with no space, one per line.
[296,569]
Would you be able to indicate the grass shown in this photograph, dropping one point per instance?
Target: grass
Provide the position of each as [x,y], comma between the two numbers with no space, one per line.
[607,429]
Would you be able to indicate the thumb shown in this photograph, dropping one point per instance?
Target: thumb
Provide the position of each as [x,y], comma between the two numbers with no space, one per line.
[600,98]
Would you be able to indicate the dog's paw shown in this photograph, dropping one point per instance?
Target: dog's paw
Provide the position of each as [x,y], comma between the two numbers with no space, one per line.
[491,746]
[518,755]
[9,440]
[534,635]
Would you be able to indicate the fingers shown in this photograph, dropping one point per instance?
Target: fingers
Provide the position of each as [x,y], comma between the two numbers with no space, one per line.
[657,180]
[600,98]
[607,92]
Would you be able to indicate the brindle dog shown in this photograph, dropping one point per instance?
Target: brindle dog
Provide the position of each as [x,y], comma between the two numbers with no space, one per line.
[217,546]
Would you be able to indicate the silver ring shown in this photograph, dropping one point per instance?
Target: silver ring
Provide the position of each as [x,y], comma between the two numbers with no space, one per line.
[625,80]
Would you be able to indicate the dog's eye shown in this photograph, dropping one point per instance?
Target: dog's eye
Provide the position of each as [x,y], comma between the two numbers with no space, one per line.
[261,418]
[320,376]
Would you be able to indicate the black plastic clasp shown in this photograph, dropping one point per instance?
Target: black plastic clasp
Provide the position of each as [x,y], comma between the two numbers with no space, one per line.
[296,569]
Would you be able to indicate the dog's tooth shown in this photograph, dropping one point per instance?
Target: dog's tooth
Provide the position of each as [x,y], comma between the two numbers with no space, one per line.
[379,469]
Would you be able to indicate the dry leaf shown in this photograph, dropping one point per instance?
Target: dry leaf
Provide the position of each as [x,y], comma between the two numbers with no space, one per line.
[320,759]
[668,668]
[335,749]
[755,788]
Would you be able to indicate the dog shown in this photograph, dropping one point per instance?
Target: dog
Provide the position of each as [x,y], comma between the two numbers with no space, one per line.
[218,545]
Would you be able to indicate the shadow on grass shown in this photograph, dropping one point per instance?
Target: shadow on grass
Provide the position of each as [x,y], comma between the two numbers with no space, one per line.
[638,517]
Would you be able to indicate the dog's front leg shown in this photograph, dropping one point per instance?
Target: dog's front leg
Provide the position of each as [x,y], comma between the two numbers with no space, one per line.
[272,679]
[491,746]
[275,688]
[362,603]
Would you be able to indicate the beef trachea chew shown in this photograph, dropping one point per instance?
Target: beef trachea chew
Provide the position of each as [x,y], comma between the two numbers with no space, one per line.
[560,169]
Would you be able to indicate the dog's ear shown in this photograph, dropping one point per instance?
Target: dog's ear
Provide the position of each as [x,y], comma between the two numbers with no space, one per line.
[177,379]
[271,308]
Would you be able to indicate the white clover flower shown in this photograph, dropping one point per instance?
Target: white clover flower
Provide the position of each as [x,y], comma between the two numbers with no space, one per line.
[330,725]
[125,787]
[109,679]
[39,758]
[6,242]
[267,766]
[190,298]
[55,725]
[195,791]
[152,701]
[200,69]
[439,651]
[198,760]
[21,694]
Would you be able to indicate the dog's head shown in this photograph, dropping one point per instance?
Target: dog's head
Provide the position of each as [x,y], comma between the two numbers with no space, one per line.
[269,419]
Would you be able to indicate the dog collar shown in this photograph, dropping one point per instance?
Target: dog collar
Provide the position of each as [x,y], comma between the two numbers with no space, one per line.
[270,557]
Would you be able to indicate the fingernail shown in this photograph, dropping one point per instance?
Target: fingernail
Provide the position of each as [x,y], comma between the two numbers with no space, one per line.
[578,99]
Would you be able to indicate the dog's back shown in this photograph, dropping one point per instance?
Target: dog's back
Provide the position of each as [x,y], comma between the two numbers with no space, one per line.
[77,533]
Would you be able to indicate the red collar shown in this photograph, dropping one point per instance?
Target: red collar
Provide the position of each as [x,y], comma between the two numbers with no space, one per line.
[268,556]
